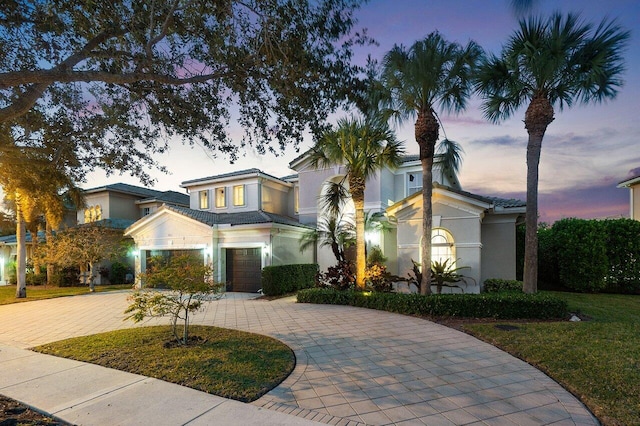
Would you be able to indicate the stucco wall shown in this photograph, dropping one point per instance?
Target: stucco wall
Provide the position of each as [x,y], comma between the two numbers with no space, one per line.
[463,222]
[121,206]
[101,199]
[286,251]
[635,202]
[275,198]
[499,247]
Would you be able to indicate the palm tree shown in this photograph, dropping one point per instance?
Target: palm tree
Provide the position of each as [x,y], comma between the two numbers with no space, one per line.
[363,147]
[449,157]
[432,74]
[333,231]
[555,61]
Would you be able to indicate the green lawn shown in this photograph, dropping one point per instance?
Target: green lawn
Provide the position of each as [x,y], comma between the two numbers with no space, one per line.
[598,360]
[8,293]
[229,363]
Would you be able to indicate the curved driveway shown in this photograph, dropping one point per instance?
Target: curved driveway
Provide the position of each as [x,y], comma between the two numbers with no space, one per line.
[354,366]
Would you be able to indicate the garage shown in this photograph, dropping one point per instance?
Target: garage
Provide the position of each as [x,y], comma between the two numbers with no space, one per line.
[244,270]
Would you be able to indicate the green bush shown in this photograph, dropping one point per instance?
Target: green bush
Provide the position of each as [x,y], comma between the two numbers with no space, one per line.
[581,254]
[504,305]
[590,256]
[277,280]
[33,279]
[66,277]
[623,254]
[118,273]
[495,285]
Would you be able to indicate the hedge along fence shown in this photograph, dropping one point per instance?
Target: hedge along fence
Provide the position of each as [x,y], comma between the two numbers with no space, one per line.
[277,280]
[591,255]
[505,305]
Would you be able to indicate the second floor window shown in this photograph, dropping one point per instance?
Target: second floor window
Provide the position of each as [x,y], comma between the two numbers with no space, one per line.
[146,211]
[204,199]
[414,182]
[238,195]
[221,199]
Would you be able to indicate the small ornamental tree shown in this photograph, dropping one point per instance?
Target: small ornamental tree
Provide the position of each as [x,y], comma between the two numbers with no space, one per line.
[189,281]
[85,246]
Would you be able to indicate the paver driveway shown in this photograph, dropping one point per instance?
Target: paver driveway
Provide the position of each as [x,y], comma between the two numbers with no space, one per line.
[353,365]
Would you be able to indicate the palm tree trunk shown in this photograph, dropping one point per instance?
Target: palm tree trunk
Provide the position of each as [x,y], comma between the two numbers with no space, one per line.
[427,224]
[426,132]
[21,261]
[538,116]
[356,187]
[49,239]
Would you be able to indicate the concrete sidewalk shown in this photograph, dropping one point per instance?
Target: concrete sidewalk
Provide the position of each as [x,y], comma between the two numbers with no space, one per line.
[87,394]
[354,366]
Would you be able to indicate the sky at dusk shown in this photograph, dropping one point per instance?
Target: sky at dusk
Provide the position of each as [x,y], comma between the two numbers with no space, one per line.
[586,151]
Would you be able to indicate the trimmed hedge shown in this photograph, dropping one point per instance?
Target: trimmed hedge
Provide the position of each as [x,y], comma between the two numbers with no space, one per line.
[590,255]
[494,285]
[277,280]
[505,305]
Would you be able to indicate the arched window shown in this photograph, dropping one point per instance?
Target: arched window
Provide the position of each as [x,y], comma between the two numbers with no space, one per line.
[87,215]
[442,246]
[98,213]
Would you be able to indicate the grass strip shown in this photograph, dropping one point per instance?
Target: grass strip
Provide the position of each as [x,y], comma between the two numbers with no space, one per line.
[8,293]
[228,363]
[597,360]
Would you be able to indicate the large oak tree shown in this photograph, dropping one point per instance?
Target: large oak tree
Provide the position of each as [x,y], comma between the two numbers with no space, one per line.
[141,72]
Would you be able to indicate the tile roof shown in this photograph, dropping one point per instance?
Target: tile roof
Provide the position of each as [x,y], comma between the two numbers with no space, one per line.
[126,188]
[496,201]
[238,173]
[240,218]
[172,197]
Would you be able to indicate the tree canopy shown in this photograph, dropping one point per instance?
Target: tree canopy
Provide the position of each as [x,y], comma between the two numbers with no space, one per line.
[135,74]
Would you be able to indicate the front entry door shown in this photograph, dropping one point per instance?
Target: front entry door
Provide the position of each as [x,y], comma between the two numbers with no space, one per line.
[244,270]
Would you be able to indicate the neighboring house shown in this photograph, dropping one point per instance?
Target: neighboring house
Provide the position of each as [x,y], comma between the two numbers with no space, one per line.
[478,232]
[125,203]
[240,222]
[116,206]
[8,252]
[634,196]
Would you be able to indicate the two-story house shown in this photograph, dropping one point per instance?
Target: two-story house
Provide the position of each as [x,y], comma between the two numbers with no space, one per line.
[474,231]
[246,220]
[239,222]
[115,205]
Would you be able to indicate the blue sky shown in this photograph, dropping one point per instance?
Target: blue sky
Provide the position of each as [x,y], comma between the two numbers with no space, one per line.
[587,150]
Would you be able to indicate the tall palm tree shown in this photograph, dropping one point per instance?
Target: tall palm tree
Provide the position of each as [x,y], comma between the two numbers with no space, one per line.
[363,147]
[555,61]
[432,74]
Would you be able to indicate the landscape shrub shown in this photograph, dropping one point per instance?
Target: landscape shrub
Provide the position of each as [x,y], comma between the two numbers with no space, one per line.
[66,277]
[505,305]
[590,256]
[495,285]
[548,277]
[32,278]
[282,279]
[581,254]
[623,254]
[340,277]
[118,273]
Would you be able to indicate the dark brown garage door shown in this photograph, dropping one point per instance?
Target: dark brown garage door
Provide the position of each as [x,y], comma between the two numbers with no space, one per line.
[244,270]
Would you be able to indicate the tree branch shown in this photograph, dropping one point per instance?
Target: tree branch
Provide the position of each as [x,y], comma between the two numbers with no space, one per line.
[29,97]
[47,77]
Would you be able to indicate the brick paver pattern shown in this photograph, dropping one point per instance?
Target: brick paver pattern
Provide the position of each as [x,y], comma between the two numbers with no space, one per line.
[354,366]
